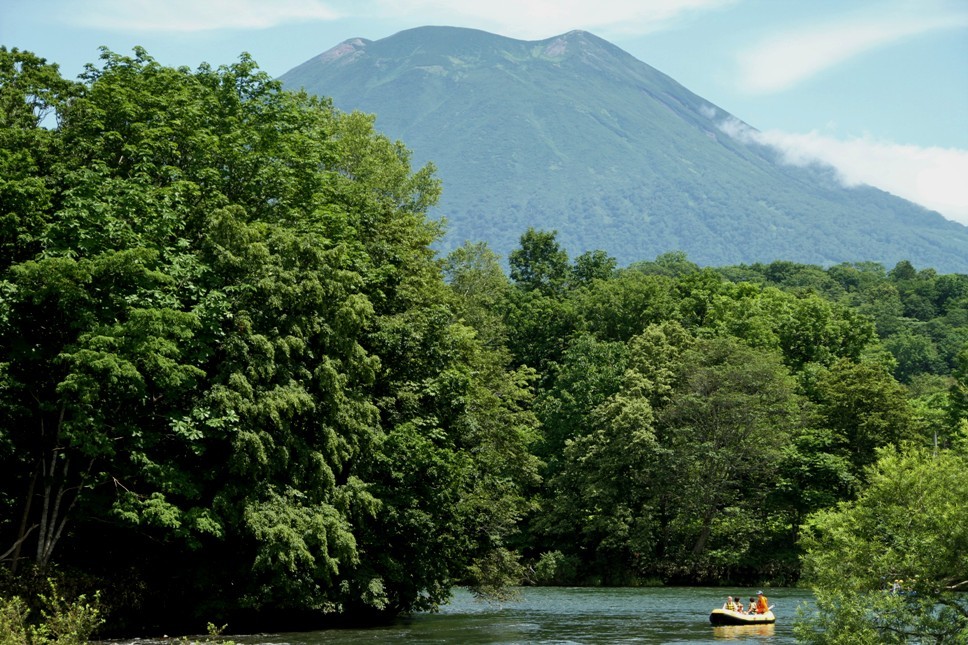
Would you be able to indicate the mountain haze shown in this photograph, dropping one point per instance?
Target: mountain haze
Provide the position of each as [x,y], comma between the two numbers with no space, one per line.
[574,134]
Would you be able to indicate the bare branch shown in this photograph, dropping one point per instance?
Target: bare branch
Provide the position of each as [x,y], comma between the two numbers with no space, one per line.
[16,545]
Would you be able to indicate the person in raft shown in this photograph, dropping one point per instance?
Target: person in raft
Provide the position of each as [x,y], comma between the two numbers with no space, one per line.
[762,604]
[752,608]
[729,604]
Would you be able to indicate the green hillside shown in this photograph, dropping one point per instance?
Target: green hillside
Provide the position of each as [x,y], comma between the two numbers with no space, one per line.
[576,135]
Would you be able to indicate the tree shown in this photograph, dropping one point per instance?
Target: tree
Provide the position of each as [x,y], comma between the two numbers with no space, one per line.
[865,408]
[917,289]
[750,313]
[602,490]
[591,266]
[909,527]
[622,307]
[226,342]
[603,502]
[75,392]
[589,373]
[957,408]
[818,331]
[540,263]
[696,293]
[674,264]
[474,274]
[858,276]
[730,415]
[815,471]
[915,354]
[882,303]
[31,92]
[801,277]
[539,327]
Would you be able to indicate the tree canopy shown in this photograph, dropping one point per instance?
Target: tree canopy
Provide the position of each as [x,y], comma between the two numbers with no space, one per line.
[892,565]
[226,344]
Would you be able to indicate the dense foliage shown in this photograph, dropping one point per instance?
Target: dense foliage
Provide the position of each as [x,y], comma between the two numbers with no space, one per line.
[236,384]
[694,418]
[885,573]
[54,621]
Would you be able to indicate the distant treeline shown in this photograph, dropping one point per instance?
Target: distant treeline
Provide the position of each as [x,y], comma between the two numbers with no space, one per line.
[238,386]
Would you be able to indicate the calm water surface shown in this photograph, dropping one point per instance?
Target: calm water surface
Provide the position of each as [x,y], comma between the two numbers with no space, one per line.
[572,615]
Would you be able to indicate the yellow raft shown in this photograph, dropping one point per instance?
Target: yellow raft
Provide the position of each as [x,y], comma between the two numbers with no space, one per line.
[730,617]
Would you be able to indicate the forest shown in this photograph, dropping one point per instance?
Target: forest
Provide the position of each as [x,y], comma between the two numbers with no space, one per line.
[238,385]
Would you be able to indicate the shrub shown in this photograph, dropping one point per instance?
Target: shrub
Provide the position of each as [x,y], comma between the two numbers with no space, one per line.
[62,621]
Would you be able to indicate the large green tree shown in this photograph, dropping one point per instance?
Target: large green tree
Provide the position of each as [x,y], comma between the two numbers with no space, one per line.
[32,93]
[540,263]
[865,408]
[231,374]
[731,413]
[892,565]
[604,482]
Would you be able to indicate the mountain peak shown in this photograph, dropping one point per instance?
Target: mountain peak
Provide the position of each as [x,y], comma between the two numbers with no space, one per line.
[347,50]
[464,45]
[559,46]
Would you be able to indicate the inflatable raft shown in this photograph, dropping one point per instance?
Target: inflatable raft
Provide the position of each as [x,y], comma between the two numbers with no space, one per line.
[730,617]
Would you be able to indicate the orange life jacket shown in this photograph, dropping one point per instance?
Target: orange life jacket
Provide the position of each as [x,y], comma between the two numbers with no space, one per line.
[762,606]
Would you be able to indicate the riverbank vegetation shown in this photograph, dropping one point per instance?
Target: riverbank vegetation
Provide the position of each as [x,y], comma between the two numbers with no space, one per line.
[49,618]
[237,384]
[889,566]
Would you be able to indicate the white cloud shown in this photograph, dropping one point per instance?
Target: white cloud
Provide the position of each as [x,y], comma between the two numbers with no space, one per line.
[787,58]
[199,15]
[536,19]
[936,178]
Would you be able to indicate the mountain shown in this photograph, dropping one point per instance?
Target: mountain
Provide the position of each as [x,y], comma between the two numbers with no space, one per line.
[574,134]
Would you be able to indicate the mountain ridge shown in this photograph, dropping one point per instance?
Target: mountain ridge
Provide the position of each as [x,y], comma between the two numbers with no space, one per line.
[572,133]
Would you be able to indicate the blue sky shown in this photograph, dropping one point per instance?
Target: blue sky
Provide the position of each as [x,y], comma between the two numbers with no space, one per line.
[877,88]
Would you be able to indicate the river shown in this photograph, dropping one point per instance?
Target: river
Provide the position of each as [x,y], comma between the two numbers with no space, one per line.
[571,615]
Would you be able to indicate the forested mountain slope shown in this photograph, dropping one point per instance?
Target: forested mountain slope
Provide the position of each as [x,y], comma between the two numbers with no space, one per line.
[574,134]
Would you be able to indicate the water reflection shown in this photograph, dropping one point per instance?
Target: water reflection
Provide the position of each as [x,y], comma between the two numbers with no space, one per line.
[743,632]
